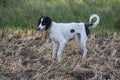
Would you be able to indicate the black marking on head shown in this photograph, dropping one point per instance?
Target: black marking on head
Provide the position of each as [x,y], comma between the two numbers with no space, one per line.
[72,30]
[45,22]
[40,20]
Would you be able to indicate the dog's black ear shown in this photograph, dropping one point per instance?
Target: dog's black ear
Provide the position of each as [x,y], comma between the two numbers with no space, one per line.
[48,22]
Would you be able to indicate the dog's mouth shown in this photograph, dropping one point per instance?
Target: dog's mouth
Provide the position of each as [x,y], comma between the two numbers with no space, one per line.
[41,30]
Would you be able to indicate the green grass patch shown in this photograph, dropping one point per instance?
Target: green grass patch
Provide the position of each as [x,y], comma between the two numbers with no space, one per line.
[24,14]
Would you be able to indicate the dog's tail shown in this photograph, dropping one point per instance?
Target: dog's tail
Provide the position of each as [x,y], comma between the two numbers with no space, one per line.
[93,25]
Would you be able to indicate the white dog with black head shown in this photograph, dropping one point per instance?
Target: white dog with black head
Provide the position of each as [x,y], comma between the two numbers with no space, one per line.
[60,33]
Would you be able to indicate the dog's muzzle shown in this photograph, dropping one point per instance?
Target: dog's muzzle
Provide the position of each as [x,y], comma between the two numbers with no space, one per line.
[40,30]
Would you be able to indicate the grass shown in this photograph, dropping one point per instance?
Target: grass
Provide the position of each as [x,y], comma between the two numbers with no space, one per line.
[24,14]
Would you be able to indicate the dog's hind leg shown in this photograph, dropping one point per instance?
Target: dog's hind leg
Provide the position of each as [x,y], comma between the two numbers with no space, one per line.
[60,50]
[77,39]
[83,45]
[55,46]
[81,41]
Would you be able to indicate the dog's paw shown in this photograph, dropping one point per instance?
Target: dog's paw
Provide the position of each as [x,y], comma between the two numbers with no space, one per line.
[84,58]
[60,63]
[54,57]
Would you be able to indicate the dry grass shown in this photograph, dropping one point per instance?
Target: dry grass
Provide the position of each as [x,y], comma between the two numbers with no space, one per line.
[30,59]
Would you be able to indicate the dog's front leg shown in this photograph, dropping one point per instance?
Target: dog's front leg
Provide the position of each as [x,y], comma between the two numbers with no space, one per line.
[55,46]
[60,50]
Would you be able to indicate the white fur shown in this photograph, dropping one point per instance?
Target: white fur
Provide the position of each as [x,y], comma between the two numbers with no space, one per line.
[60,34]
[97,21]
[40,26]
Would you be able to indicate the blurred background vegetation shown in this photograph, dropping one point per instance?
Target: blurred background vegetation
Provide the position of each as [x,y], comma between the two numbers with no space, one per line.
[24,14]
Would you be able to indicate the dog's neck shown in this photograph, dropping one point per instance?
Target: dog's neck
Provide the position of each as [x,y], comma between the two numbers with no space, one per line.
[49,27]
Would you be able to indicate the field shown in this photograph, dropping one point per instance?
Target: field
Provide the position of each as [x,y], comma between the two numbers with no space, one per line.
[29,58]
[26,55]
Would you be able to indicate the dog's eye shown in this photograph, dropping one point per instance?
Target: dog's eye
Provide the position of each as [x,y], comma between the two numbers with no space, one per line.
[43,23]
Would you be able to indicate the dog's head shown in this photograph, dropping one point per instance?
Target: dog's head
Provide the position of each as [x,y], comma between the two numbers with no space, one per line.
[44,23]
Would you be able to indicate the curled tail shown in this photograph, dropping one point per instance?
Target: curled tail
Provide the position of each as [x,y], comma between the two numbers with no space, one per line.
[93,25]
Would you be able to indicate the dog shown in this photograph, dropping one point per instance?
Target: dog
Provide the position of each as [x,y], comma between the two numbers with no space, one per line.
[61,33]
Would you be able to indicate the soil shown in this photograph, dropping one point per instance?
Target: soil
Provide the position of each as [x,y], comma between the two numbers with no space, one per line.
[29,58]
